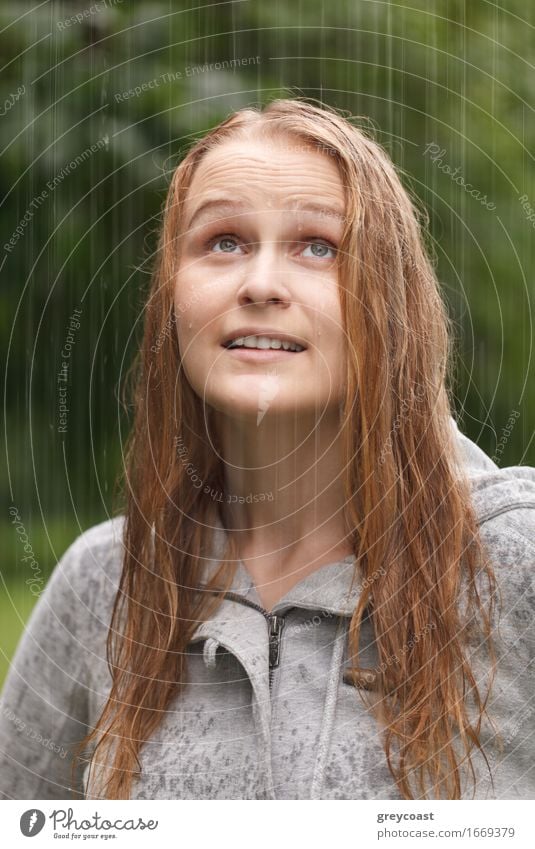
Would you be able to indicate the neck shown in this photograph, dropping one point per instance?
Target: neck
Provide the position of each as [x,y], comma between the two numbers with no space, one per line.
[283,483]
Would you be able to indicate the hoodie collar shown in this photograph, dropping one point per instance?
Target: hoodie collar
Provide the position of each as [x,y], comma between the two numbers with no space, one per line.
[327,588]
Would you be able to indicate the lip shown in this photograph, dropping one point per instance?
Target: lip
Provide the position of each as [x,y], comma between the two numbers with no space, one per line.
[271,332]
[262,356]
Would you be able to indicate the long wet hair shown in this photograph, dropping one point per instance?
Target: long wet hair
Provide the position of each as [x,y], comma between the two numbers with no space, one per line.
[414,530]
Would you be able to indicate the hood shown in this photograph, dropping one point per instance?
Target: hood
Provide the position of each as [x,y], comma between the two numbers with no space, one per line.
[494,490]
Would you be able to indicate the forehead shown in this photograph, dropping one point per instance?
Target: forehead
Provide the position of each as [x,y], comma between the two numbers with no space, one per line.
[280,173]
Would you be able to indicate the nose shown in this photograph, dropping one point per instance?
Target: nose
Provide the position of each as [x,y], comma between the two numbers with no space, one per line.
[265,279]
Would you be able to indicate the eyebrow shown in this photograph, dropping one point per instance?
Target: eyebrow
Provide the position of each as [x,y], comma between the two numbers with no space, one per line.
[224,206]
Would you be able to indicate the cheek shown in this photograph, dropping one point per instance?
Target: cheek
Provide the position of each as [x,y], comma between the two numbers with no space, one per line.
[186,291]
[194,310]
[186,314]
[181,325]
[195,284]
[196,343]
[327,318]
[329,298]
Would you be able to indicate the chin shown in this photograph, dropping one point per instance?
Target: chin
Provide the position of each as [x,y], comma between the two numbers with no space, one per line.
[259,408]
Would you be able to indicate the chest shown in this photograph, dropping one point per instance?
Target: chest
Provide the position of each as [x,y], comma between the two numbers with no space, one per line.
[235,732]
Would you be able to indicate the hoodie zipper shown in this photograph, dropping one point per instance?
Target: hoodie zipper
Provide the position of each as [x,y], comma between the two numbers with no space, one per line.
[275,626]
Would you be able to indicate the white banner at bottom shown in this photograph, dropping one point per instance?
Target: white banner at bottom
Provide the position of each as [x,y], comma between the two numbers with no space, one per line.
[162,823]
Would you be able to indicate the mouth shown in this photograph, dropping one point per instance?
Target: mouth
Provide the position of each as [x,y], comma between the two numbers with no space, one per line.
[263,343]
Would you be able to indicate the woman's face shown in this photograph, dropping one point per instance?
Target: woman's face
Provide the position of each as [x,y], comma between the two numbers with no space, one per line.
[263,220]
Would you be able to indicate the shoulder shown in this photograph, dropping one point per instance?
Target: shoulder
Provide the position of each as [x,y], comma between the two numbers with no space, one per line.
[504,504]
[88,573]
[59,665]
[503,498]
[102,543]
[506,516]
[505,509]
[504,501]
[510,530]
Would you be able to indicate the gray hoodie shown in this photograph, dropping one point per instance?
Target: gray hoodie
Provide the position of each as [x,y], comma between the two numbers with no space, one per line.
[267,713]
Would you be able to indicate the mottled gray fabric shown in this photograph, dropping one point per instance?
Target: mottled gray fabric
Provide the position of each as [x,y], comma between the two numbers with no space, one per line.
[228,736]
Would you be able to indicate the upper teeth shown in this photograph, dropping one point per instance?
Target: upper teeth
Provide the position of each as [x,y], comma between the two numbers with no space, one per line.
[264,342]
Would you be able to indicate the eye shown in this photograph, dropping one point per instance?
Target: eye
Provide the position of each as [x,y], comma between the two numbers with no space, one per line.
[228,243]
[319,250]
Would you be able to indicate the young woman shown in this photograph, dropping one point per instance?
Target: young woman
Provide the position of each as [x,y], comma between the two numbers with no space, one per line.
[300,597]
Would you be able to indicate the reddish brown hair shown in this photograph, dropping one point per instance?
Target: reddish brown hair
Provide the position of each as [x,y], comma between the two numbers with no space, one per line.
[415,536]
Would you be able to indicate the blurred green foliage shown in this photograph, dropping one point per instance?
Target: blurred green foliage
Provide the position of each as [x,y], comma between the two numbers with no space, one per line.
[455,74]
[16,604]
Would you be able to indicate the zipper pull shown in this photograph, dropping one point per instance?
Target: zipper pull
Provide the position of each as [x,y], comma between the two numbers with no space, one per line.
[276,624]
